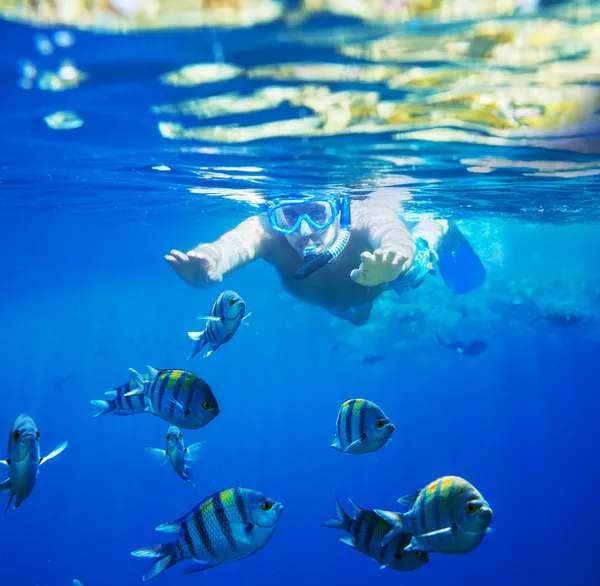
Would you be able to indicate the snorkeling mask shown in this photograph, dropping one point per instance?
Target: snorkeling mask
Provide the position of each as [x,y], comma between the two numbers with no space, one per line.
[319,213]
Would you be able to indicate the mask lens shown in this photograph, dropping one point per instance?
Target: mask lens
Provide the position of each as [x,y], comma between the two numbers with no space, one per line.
[318,214]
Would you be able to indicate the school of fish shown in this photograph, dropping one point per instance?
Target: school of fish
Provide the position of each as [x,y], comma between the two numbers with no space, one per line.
[447,516]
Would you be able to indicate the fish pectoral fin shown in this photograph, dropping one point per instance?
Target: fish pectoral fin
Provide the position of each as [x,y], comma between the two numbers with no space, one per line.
[336,445]
[198,567]
[5,486]
[179,405]
[54,452]
[348,541]
[417,544]
[195,335]
[208,317]
[159,455]
[192,452]
[5,462]
[171,527]
[384,566]
[357,442]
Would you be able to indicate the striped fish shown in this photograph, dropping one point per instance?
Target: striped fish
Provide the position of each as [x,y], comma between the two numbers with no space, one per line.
[24,459]
[121,403]
[177,454]
[225,527]
[361,427]
[449,515]
[225,318]
[367,530]
[180,397]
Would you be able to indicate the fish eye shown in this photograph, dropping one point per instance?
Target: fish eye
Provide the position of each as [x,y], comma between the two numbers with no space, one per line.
[380,423]
[206,405]
[417,554]
[187,411]
[37,435]
[471,508]
[168,437]
[266,506]
[231,302]
[16,435]
[397,556]
[180,436]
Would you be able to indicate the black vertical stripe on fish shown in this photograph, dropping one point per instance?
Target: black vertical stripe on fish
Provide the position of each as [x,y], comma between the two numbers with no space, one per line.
[129,401]
[224,523]
[361,421]
[179,551]
[119,399]
[161,390]
[187,538]
[188,396]
[176,392]
[348,429]
[355,525]
[198,519]
[370,530]
[241,507]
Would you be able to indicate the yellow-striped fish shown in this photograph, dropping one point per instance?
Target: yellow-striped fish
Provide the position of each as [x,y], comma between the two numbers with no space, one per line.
[227,526]
[449,515]
[367,530]
[361,427]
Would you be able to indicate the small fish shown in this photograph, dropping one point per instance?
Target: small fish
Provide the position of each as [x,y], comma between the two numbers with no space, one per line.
[225,317]
[361,427]
[449,515]
[77,583]
[372,359]
[24,459]
[225,527]
[178,454]
[367,530]
[179,397]
[465,348]
[122,404]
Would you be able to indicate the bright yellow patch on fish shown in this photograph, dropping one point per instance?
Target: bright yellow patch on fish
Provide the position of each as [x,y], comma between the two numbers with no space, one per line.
[207,506]
[228,498]
[356,408]
[347,404]
[188,382]
[447,485]
[432,487]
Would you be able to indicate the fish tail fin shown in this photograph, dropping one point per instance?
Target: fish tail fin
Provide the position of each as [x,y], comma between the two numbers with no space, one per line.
[105,407]
[199,343]
[166,555]
[394,519]
[341,519]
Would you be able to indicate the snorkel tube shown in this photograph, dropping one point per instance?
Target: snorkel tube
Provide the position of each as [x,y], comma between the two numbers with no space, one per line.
[313,261]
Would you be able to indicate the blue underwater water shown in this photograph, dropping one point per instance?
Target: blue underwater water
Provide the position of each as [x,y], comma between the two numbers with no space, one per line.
[87,215]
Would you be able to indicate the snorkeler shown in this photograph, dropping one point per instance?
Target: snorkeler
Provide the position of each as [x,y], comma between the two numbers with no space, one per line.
[336,254]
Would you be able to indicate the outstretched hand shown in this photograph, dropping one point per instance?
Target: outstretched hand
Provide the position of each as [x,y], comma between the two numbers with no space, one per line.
[195,267]
[379,267]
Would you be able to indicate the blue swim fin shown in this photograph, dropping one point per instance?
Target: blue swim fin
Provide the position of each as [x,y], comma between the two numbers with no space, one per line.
[457,262]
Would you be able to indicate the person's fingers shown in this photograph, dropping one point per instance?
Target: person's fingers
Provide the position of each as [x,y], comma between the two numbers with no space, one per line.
[358,276]
[180,256]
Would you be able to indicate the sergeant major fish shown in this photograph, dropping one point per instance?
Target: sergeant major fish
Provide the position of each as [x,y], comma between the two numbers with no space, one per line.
[177,454]
[449,515]
[24,459]
[122,404]
[227,526]
[361,427]
[179,397]
[227,313]
[367,530]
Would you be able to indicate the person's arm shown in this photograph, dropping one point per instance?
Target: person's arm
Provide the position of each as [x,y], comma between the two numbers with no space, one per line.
[207,263]
[392,244]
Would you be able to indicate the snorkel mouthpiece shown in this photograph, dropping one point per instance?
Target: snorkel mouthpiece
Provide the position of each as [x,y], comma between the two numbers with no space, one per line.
[314,261]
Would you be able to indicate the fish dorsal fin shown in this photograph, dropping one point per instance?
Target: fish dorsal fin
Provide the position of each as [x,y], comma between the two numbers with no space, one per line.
[409,500]
[153,371]
[5,462]
[356,509]
[54,452]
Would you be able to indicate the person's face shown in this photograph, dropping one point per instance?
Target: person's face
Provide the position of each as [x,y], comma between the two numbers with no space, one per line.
[306,237]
